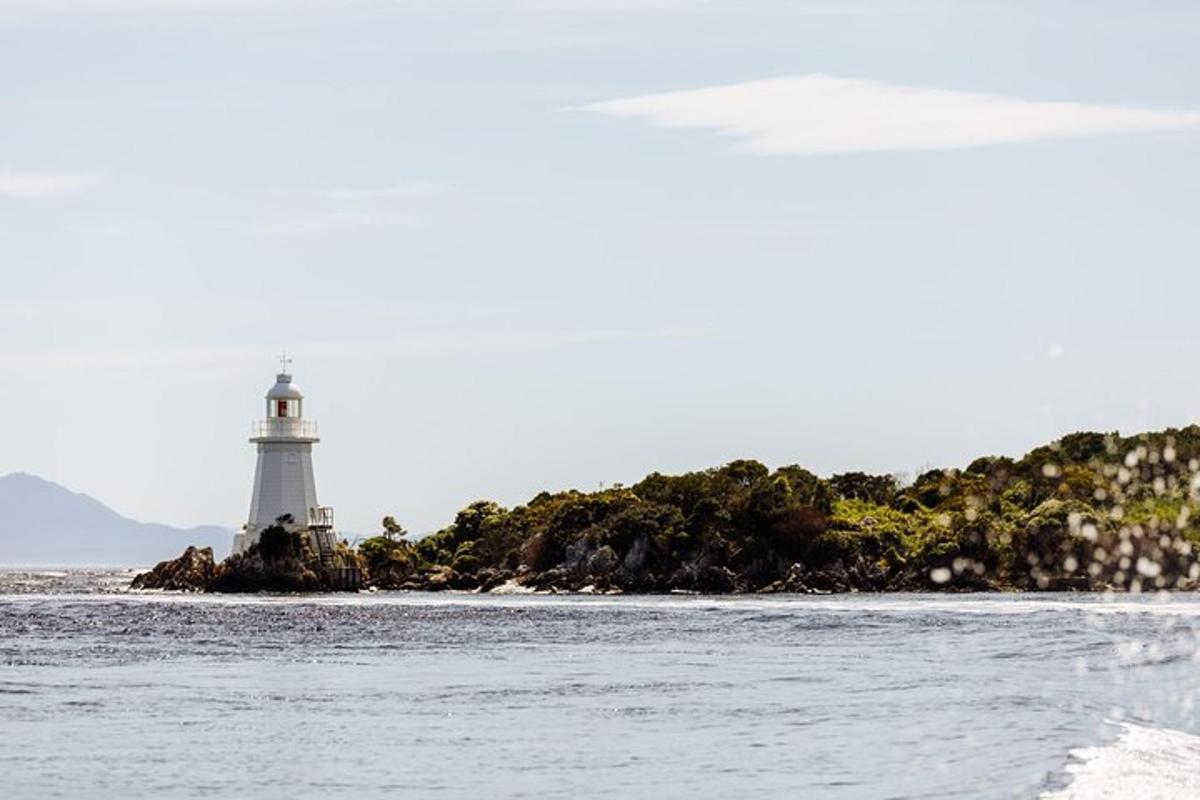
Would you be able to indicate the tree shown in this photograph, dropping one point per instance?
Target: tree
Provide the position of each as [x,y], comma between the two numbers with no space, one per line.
[392,530]
[877,489]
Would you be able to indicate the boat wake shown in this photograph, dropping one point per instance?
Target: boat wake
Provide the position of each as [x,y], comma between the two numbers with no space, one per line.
[1142,762]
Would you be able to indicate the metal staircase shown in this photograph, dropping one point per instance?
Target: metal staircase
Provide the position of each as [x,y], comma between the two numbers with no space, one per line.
[324,540]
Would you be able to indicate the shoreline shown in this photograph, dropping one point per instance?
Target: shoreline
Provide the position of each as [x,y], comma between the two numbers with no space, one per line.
[1091,512]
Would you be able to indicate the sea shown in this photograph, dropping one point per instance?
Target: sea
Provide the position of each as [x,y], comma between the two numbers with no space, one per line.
[106,693]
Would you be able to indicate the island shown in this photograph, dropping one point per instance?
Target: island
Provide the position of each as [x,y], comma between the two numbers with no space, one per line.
[1089,512]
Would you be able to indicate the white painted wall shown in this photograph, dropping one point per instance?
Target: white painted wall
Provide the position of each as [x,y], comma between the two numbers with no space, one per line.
[283,475]
[283,484]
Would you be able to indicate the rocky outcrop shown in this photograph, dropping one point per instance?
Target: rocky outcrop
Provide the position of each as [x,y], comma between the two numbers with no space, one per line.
[253,573]
[1090,512]
[193,571]
[280,562]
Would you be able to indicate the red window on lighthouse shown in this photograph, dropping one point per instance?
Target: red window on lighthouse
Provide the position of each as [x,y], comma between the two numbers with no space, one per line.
[281,408]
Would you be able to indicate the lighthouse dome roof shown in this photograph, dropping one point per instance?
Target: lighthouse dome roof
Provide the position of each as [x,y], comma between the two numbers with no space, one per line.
[284,389]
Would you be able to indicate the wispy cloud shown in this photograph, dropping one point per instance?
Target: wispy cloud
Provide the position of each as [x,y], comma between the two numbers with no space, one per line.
[821,114]
[42,185]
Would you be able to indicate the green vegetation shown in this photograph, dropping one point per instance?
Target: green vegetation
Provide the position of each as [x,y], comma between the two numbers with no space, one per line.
[1089,511]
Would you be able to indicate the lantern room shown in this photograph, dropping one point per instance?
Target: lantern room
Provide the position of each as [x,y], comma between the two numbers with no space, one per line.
[284,399]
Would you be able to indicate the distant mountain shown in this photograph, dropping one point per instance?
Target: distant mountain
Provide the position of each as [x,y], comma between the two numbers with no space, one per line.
[44,524]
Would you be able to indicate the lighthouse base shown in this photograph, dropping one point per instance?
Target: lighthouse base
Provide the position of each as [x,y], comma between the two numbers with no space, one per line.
[321,539]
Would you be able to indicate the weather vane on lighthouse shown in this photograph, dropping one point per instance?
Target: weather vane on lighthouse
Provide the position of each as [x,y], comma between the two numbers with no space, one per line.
[284,361]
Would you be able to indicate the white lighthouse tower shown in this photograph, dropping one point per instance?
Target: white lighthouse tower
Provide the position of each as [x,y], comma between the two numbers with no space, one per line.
[284,488]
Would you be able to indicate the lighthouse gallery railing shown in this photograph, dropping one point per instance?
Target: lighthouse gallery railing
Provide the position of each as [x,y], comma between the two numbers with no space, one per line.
[283,427]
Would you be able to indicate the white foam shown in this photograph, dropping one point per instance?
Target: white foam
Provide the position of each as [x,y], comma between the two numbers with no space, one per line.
[511,587]
[1183,605]
[1146,763]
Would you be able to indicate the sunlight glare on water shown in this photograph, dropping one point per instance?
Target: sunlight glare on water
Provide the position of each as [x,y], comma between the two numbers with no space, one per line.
[136,695]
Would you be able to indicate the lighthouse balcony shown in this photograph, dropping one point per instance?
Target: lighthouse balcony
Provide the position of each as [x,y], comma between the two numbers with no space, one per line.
[284,428]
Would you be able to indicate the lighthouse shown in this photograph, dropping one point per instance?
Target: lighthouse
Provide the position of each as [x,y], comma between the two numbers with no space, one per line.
[285,492]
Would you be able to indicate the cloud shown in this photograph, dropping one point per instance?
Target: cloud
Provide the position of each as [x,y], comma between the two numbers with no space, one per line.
[42,185]
[822,114]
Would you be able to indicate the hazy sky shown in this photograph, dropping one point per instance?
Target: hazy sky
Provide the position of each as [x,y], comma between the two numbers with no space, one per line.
[534,244]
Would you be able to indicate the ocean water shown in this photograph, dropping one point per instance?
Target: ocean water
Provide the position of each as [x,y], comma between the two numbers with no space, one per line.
[105,693]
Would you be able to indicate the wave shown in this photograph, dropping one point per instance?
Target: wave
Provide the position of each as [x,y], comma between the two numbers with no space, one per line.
[1143,762]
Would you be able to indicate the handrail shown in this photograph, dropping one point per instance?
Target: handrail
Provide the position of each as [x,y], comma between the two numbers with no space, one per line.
[320,517]
[283,427]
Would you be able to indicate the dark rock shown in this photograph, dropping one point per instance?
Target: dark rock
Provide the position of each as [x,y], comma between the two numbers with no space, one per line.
[716,580]
[191,572]
[441,579]
[491,578]
[603,561]
[635,559]
[252,573]
[684,579]
[553,580]
[288,565]
[464,581]
[831,577]
[576,555]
